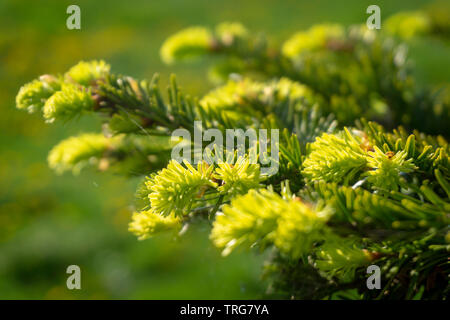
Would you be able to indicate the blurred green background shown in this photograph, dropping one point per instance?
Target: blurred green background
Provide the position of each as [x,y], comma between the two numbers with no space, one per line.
[48,222]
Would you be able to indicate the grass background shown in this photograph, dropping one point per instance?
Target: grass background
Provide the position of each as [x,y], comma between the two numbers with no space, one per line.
[48,222]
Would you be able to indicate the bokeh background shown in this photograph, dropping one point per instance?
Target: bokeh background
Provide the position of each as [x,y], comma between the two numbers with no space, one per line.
[48,222]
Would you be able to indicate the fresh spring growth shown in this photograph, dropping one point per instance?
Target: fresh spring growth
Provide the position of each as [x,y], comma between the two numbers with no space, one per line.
[231,95]
[249,220]
[75,153]
[315,38]
[123,154]
[385,168]
[264,218]
[146,224]
[235,95]
[340,258]
[186,44]
[353,213]
[175,187]
[299,226]
[85,72]
[68,103]
[237,178]
[335,158]
[179,188]
[32,96]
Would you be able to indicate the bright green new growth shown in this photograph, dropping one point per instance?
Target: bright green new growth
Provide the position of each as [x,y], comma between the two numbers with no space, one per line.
[408,24]
[348,192]
[264,218]
[85,73]
[241,94]
[76,152]
[33,95]
[228,32]
[178,189]
[146,224]
[340,258]
[174,188]
[231,94]
[132,154]
[335,158]
[344,157]
[243,224]
[197,41]
[237,178]
[385,168]
[63,98]
[300,226]
[187,44]
[317,37]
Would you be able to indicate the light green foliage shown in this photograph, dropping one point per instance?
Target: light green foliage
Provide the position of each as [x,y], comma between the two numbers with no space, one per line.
[345,157]
[427,152]
[129,155]
[75,153]
[335,158]
[32,96]
[362,207]
[358,72]
[63,98]
[340,258]
[244,223]
[300,225]
[68,103]
[85,73]
[264,218]
[348,193]
[244,97]
[197,41]
[317,37]
[187,44]
[408,24]
[237,178]
[175,187]
[243,93]
[228,32]
[231,95]
[286,88]
[146,224]
[178,189]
